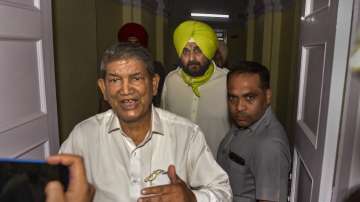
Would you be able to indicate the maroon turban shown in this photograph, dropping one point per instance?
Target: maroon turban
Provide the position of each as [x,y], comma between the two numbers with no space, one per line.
[133,30]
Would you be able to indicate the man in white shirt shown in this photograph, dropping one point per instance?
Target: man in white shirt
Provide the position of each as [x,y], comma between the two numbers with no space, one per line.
[135,151]
[197,88]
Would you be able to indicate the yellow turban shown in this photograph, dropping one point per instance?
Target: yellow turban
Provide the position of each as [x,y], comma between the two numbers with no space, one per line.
[203,35]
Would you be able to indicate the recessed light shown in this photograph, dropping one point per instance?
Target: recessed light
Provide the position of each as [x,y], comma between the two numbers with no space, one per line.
[210,15]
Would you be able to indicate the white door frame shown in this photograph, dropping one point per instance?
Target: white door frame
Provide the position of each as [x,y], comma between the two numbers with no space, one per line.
[337,85]
[29,127]
[347,166]
[336,97]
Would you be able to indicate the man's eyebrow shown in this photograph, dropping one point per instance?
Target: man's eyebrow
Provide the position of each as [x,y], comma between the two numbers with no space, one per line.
[249,94]
[136,74]
[113,74]
[117,75]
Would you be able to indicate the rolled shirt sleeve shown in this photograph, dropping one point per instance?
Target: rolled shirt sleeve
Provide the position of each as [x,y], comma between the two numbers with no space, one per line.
[73,144]
[208,180]
[271,171]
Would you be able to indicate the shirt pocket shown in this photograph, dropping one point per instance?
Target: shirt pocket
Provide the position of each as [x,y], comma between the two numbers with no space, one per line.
[240,177]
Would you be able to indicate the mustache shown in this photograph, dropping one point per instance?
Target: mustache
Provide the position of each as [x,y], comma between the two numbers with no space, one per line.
[242,114]
[193,63]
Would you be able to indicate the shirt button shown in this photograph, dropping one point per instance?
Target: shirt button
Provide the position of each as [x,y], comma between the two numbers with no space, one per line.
[134,181]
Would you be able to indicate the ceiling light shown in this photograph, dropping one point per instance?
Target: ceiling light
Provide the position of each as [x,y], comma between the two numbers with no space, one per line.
[210,15]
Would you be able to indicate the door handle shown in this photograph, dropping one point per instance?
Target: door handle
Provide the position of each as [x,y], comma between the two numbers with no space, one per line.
[308,19]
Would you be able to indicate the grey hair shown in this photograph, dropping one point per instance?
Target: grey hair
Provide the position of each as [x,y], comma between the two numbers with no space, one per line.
[126,50]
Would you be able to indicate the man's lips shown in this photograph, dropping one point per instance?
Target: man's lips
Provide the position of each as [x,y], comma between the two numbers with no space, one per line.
[128,104]
[241,118]
[193,65]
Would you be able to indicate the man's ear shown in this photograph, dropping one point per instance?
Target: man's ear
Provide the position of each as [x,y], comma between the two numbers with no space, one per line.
[101,84]
[268,96]
[155,84]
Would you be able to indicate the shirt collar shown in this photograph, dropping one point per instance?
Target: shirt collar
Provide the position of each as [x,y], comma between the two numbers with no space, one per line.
[264,120]
[114,123]
[156,125]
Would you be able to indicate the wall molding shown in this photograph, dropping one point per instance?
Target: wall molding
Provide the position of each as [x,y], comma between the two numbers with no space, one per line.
[150,5]
[256,8]
[153,6]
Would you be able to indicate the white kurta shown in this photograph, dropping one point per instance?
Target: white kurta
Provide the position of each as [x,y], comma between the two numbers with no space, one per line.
[209,110]
[118,168]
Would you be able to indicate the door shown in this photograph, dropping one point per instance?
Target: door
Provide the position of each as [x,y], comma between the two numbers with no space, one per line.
[348,157]
[324,39]
[28,123]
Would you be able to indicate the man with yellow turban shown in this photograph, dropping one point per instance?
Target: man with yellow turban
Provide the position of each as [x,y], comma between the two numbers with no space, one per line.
[197,88]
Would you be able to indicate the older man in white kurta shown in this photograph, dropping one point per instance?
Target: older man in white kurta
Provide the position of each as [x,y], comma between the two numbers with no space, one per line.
[136,152]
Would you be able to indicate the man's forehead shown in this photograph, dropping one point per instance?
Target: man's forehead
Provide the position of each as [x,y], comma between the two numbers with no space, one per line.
[117,62]
[245,80]
[126,60]
[245,77]
[126,64]
[191,45]
[244,92]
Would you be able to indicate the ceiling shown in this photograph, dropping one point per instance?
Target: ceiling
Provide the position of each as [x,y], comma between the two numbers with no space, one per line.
[181,8]
[237,9]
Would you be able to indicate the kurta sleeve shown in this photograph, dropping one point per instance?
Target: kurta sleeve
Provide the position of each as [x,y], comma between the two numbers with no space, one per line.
[271,170]
[73,144]
[208,180]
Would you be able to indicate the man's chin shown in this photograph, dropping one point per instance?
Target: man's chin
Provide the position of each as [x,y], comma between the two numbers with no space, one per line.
[133,116]
[242,124]
[195,70]
[195,73]
[128,117]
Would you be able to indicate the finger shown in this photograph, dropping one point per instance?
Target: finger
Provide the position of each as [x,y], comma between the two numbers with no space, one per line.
[54,192]
[156,190]
[76,169]
[150,198]
[172,174]
[92,191]
[58,158]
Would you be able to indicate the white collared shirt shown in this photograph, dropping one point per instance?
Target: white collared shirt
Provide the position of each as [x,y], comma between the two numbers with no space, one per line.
[117,167]
[209,110]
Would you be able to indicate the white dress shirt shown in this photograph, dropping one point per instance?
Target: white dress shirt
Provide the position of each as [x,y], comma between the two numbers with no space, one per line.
[209,110]
[118,168]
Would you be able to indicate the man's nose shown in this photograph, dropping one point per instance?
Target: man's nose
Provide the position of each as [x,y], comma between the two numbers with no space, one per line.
[241,106]
[126,88]
[192,56]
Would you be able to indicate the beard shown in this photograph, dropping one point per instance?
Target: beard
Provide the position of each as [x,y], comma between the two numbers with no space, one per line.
[194,68]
